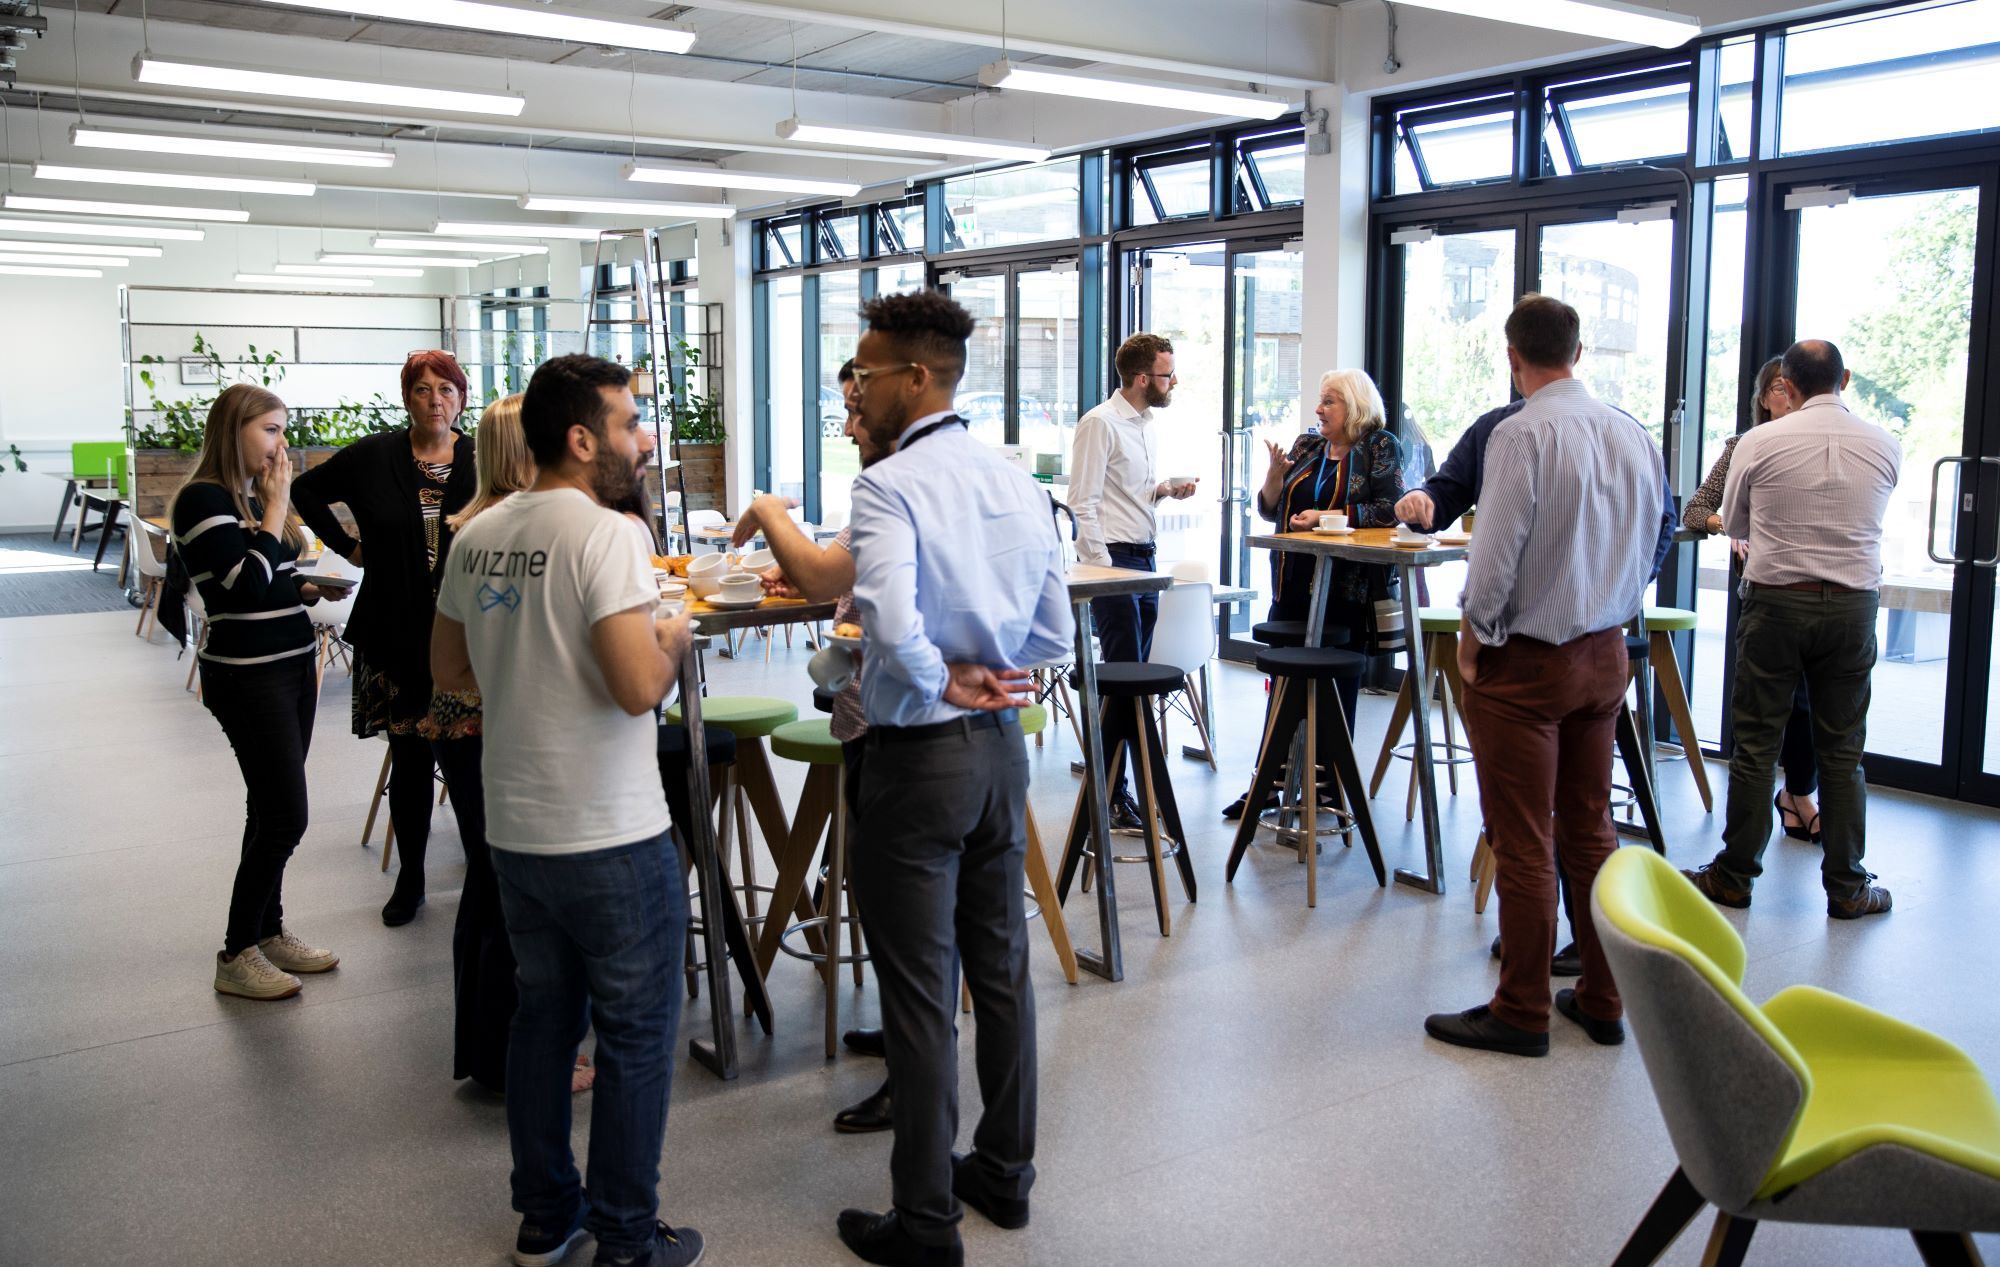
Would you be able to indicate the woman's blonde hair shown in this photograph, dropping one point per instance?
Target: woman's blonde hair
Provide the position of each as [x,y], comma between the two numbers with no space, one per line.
[221,459]
[504,463]
[1363,400]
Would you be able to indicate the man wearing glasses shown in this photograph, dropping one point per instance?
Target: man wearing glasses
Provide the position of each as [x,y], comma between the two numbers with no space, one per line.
[1113,490]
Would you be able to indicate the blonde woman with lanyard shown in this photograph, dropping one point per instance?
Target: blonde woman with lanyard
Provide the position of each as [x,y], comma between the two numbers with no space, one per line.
[233,526]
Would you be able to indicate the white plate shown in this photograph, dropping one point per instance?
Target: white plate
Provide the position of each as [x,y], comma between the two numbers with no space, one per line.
[327,582]
[734,604]
[1418,543]
[1333,532]
[851,644]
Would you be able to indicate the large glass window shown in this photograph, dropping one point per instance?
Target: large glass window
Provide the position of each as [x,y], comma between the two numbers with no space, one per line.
[897,279]
[839,330]
[1018,205]
[1045,353]
[1618,278]
[1182,298]
[1457,291]
[1735,77]
[1720,402]
[787,403]
[1924,71]
[1270,289]
[982,393]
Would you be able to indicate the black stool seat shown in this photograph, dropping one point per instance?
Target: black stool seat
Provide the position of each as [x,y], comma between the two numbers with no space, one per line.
[673,745]
[1637,646]
[823,699]
[1127,679]
[1280,633]
[1311,662]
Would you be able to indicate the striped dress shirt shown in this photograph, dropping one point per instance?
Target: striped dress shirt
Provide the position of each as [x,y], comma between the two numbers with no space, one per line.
[246,578]
[1569,512]
[1808,491]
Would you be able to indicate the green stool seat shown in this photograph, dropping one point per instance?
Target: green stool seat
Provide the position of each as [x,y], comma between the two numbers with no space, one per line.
[1668,619]
[810,741]
[1034,718]
[1438,619]
[745,716]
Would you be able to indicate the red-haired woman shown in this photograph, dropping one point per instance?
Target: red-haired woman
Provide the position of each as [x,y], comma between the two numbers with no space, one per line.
[401,489]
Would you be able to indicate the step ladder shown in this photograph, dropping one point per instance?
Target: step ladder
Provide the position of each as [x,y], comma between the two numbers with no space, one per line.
[640,342]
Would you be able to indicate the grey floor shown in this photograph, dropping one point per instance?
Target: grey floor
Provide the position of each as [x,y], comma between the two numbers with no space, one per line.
[1257,1090]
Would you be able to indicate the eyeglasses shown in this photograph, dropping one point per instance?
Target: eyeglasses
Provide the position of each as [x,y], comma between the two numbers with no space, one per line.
[862,373]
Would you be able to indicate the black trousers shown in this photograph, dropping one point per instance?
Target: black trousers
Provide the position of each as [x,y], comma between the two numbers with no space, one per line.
[482,960]
[267,712]
[411,799]
[938,875]
[1796,756]
[1124,624]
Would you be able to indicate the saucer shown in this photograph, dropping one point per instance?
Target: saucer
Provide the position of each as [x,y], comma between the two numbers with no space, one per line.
[734,604]
[1413,543]
[1333,532]
[850,644]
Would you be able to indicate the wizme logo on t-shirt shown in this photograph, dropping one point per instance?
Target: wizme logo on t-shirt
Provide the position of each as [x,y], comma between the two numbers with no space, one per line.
[502,565]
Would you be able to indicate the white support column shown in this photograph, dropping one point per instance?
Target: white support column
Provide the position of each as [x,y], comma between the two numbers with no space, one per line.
[1334,316]
[723,262]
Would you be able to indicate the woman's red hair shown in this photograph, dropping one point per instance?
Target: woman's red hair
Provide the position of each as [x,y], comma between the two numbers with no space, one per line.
[437,361]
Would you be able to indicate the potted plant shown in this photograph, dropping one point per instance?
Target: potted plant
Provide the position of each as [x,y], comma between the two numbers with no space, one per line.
[698,434]
[642,376]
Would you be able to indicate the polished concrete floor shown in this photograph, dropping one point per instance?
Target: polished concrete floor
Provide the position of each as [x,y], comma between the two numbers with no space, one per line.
[1257,1090]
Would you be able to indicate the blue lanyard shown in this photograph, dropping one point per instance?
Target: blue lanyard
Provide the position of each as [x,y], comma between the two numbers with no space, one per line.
[1319,482]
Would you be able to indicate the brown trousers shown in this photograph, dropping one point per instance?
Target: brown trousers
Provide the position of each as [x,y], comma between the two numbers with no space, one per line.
[1543,720]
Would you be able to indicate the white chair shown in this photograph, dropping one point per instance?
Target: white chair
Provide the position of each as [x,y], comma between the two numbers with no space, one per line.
[1184,639]
[1190,571]
[670,506]
[329,616]
[197,627]
[151,568]
[700,519]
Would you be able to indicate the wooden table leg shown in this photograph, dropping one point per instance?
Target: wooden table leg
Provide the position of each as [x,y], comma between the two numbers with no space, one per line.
[1044,886]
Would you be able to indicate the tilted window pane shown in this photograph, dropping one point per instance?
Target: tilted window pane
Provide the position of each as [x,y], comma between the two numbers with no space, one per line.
[1460,151]
[1897,77]
[1006,208]
[1625,126]
[1282,171]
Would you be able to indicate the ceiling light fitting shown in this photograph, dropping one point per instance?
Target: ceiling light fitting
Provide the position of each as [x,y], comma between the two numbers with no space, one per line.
[1073,83]
[489,229]
[69,261]
[335,270]
[139,210]
[81,248]
[299,283]
[1605,19]
[496,249]
[509,17]
[172,180]
[402,261]
[719,178]
[908,142]
[216,77]
[101,229]
[33,270]
[220,147]
[629,207]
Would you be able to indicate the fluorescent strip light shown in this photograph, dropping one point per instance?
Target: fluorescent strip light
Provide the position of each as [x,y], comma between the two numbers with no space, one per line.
[908,142]
[220,78]
[420,261]
[629,207]
[81,248]
[508,18]
[446,244]
[73,261]
[1071,83]
[218,147]
[494,229]
[332,270]
[1606,19]
[26,270]
[141,210]
[173,180]
[300,283]
[717,178]
[100,229]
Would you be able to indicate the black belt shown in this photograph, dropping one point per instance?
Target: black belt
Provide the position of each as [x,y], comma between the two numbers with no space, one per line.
[1130,545]
[945,729]
[1811,587]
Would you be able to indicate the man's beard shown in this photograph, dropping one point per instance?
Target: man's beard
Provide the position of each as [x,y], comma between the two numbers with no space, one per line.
[613,477]
[1157,397]
[885,426]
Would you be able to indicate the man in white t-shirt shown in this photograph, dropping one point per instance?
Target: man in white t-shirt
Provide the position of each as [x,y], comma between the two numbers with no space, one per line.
[547,608]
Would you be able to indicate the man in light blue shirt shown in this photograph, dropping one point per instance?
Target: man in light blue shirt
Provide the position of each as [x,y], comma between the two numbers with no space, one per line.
[958,575]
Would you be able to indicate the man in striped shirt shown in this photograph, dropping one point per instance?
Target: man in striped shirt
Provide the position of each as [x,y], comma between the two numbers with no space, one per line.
[1567,524]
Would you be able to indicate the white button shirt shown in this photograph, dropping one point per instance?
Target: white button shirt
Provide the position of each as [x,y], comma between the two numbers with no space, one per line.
[1111,482]
[1809,492]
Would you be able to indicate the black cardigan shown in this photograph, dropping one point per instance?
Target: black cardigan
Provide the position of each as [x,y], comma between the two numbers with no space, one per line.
[376,479]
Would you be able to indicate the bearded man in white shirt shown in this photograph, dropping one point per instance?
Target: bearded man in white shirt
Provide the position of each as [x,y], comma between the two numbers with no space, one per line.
[1112,491]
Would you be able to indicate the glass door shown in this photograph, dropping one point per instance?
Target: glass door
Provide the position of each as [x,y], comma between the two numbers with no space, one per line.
[1893,276]
[982,393]
[1269,389]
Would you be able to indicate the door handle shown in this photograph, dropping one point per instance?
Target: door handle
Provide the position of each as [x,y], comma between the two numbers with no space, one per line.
[1930,540]
[1994,559]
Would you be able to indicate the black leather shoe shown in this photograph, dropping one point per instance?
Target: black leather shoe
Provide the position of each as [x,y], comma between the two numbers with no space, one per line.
[1568,961]
[1234,811]
[881,1238]
[969,1186]
[865,1042]
[1603,1033]
[867,1117]
[1873,899]
[400,909]
[1478,1027]
[1125,817]
[1712,885]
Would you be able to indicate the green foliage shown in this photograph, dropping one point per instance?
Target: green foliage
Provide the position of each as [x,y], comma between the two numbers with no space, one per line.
[13,459]
[697,418]
[180,424]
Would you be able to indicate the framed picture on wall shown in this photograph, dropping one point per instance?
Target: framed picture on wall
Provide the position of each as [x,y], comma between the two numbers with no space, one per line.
[198,371]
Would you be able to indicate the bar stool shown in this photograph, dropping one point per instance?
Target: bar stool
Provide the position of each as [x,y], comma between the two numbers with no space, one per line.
[1661,624]
[1439,626]
[822,813]
[747,788]
[671,748]
[1303,688]
[1292,633]
[1126,694]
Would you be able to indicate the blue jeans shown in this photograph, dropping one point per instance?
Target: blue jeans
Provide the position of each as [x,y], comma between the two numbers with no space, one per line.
[599,939]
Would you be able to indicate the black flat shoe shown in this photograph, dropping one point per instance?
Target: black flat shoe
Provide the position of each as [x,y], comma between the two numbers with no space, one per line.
[1603,1033]
[1125,817]
[1234,811]
[1478,1028]
[867,1117]
[865,1042]
[400,910]
[1800,832]
[1568,961]
[969,1186]
[881,1238]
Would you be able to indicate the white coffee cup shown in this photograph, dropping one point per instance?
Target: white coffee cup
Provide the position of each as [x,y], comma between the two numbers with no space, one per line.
[831,669]
[1332,520]
[757,560]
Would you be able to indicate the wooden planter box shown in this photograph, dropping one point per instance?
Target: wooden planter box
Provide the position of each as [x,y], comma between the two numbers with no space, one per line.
[156,473]
[702,472]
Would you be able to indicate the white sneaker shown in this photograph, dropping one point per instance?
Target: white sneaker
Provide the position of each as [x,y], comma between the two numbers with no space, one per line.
[287,953]
[251,976]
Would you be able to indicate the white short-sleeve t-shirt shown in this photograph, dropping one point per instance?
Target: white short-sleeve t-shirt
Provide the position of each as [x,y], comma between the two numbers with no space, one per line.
[566,769]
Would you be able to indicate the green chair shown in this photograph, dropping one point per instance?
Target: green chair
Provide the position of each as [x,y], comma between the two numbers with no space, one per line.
[747,789]
[1808,1109]
[1661,622]
[92,461]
